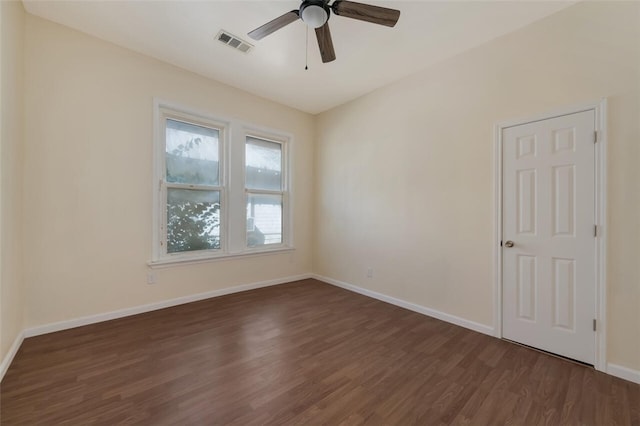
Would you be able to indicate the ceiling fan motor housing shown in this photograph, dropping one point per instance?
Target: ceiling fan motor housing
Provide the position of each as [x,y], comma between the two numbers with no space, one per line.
[314,13]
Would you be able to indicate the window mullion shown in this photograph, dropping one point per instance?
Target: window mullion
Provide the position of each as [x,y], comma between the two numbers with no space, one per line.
[235,194]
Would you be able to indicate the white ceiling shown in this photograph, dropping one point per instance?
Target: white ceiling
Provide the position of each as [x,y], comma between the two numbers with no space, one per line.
[368,55]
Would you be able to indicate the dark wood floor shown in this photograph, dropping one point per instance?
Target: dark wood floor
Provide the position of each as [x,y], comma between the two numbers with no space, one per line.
[300,353]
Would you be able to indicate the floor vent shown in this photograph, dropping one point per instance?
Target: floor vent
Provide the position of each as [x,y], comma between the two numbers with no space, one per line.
[233,41]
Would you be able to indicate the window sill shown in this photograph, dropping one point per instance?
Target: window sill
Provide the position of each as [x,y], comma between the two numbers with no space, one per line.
[167,263]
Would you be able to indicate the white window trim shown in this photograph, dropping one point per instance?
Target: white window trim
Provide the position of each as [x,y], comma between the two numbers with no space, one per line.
[233,133]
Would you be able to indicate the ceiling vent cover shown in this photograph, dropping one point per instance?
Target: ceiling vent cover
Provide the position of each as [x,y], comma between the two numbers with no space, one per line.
[233,41]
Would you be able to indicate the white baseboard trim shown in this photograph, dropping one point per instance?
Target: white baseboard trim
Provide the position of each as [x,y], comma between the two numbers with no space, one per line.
[13,350]
[92,319]
[462,322]
[624,373]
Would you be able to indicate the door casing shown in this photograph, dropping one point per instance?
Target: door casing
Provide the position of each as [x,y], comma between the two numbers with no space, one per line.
[600,110]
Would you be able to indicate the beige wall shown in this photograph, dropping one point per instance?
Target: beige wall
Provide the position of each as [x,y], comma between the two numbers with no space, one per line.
[11,142]
[404,174]
[88,162]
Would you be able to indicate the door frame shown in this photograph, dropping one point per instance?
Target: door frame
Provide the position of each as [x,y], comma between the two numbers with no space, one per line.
[600,109]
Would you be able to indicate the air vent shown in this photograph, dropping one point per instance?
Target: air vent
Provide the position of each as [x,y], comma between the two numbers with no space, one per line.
[233,41]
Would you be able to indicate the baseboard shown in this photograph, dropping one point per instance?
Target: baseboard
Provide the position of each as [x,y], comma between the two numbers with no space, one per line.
[624,373]
[13,350]
[92,319]
[462,322]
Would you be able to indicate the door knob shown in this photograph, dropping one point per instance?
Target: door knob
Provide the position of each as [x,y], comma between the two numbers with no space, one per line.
[508,244]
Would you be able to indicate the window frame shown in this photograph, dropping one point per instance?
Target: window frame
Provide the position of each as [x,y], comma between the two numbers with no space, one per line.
[233,134]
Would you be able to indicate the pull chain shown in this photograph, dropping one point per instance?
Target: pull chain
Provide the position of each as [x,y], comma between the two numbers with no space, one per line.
[306,51]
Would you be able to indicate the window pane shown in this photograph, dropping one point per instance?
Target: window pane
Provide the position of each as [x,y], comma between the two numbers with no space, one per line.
[193,220]
[263,164]
[191,153]
[264,220]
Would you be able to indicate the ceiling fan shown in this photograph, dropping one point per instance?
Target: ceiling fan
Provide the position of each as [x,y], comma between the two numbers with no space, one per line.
[315,13]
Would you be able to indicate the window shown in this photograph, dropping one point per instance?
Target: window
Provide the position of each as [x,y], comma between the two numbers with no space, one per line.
[264,189]
[192,182]
[221,188]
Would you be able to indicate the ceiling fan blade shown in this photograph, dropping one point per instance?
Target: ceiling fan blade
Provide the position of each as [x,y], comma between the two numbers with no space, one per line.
[366,12]
[273,26]
[325,43]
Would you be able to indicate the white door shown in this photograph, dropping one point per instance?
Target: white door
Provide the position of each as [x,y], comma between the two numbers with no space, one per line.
[548,246]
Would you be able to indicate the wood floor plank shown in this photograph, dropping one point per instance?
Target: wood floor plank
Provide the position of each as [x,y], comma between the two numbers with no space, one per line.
[297,354]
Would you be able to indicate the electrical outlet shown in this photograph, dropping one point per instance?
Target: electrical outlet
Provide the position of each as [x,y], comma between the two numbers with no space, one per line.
[369,272]
[151,278]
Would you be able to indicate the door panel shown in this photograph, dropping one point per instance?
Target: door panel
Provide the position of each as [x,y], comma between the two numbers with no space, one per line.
[548,213]
[526,199]
[563,200]
[527,290]
[563,293]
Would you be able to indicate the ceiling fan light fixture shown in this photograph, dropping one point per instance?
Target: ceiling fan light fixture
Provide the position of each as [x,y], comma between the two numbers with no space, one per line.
[314,15]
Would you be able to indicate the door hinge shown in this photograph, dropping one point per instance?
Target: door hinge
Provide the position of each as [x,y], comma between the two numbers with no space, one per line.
[595,136]
[594,324]
[595,230]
